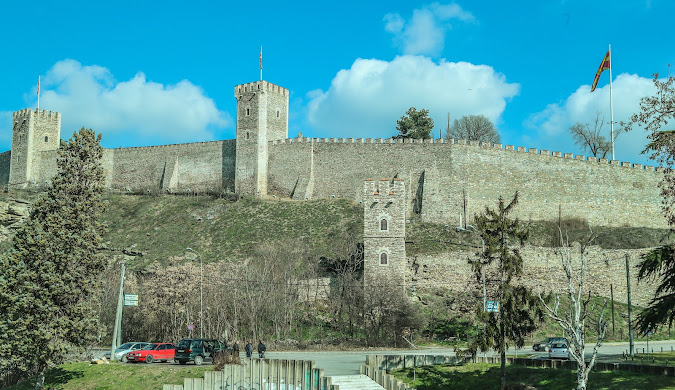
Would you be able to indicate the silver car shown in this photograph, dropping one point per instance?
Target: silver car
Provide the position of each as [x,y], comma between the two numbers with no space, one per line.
[559,351]
[121,351]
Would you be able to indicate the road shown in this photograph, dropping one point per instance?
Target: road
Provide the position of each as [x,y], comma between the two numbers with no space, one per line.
[348,362]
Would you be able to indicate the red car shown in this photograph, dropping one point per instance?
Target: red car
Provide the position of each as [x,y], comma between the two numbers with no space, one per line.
[154,351]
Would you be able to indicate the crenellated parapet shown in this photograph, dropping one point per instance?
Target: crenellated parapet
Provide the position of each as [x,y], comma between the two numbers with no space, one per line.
[468,143]
[259,86]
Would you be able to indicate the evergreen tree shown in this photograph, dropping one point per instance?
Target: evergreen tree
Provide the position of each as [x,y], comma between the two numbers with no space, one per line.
[415,124]
[519,308]
[50,280]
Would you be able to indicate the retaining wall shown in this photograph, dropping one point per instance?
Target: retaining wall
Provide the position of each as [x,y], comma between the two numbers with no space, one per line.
[542,271]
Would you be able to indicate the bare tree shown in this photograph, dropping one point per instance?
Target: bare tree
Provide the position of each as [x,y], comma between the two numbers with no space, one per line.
[573,322]
[591,139]
[473,128]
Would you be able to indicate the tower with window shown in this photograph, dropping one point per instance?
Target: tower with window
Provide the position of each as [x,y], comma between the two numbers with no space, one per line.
[384,205]
[262,117]
[33,132]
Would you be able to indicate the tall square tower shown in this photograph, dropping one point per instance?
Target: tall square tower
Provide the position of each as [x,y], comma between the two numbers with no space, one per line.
[262,117]
[33,132]
[384,205]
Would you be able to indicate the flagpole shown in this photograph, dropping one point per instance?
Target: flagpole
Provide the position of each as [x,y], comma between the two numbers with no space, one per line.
[38,93]
[611,105]
[260,63]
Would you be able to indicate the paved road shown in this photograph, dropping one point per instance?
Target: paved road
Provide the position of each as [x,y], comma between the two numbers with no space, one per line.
[348,362]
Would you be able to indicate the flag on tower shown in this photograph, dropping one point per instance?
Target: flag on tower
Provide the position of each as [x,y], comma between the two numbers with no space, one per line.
[38,90]
[260,57]
[606,64]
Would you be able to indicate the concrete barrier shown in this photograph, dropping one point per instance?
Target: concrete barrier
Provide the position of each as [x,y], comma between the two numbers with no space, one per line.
[259,374]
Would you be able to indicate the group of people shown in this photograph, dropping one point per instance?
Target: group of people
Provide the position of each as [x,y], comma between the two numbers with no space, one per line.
[249,349]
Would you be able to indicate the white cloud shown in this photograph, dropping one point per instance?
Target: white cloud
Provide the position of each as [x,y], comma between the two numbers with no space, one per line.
[129,113]
[552,124]
[367,99]
[425,32]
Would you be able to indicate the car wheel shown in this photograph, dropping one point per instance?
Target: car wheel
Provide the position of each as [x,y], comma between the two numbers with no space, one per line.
[182,362]
[124,359]
[149,359]
[199,360]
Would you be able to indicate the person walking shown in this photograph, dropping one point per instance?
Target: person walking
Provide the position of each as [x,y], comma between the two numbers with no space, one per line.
[249,349]
[261,349]
[235,348]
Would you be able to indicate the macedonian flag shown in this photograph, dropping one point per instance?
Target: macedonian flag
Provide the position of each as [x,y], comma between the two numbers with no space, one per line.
[603,66]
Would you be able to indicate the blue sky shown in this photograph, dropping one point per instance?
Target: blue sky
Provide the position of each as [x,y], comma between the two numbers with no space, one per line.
[151,73]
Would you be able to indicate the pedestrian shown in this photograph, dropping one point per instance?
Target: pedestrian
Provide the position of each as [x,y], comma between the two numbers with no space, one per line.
[261,349]
[249,348]
[235,348]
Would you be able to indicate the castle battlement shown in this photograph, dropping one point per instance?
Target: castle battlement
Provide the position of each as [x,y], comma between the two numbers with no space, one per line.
[258,86]
[40,114]
[461,142]
[168,146]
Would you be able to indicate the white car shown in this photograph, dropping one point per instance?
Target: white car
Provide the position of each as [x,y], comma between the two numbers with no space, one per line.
[122,350]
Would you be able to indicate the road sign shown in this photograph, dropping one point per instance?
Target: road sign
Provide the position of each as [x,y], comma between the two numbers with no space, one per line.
[492,306]
[130,300]
[191,326]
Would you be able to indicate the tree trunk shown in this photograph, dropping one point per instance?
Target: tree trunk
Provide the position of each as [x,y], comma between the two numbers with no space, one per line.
[502,331]
[40,381]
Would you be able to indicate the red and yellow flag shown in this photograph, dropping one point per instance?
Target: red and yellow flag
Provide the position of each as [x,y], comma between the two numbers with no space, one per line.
[38,90]
[604,65]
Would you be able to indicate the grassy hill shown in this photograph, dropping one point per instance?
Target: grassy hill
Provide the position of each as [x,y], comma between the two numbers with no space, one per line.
[163,226]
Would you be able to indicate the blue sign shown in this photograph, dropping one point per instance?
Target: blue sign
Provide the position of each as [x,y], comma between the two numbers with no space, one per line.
[492,306]
[191,326]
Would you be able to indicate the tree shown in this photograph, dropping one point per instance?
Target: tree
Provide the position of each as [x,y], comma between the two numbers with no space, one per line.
[415,124]
[518,307]
[473,128]
[592,139]
[50,280]
[573,322]
[659,264]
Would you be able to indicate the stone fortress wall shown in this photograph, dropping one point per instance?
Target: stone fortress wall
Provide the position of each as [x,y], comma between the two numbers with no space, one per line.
[444,178]
[542,271]
[440,174]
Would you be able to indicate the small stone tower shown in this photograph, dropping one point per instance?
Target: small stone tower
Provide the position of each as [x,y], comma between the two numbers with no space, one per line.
[384,205]
[262,117]
[33,132]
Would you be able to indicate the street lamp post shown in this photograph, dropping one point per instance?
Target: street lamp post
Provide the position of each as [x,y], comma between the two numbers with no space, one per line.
[201,293]
[482,265]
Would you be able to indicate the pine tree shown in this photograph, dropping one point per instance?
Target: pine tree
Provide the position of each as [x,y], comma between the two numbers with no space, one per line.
[519,308]
[50,280]
[415,124]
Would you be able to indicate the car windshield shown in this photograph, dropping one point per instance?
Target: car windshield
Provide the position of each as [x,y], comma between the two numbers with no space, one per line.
[150,347]
[125,346]
[184,344]
[559,346]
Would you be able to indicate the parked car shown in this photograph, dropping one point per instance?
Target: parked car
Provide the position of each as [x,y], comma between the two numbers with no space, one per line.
[545,344]
[153,352]
[197,350]
[558,351]
[122,350]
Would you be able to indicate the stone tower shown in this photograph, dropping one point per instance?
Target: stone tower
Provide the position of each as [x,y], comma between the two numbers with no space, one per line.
[384,205]
[262,117]
[33,132]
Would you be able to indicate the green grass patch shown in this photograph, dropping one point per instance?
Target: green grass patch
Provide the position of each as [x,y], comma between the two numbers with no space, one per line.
[656,358]
[163,226]
[82,376]
[487,376]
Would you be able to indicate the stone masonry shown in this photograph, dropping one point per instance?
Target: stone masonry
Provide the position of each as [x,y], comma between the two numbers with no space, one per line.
[445,179]
[384,206]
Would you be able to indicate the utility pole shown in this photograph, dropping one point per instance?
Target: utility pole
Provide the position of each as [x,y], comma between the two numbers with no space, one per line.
[630,312]
[611,291]
[117,332]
